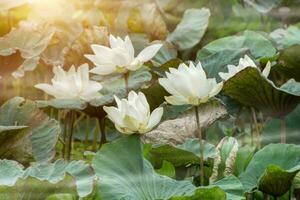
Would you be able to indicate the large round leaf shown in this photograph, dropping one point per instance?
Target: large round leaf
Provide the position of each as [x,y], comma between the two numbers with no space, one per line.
[251,88]
[216,55]
[124,174]
[258,45]
[21,143]
[272,169]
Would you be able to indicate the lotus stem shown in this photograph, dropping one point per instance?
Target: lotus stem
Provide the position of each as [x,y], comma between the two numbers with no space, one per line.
[87,132]
[95,136]
[250,196]
[101,123]
[282,130]
[201,146]
[59,118]
[251,131]
[160,10]
[257,135]
[266,196]
[69,134]
[126,77]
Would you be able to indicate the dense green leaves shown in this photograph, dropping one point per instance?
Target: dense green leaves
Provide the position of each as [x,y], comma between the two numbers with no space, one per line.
[191,28]
[252,89]
[272,169]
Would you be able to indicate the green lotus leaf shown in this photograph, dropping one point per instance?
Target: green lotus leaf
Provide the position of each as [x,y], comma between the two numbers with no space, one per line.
[191,28]
[165,54]
[11,129]
[224,161]
[289,60]
[116,86]
[10,172]
[286,37]
[45,179]
[232,186]
[26,132]
[30,39]
[204,193]
[217,62]
[271,130]
[251,88]
[263,6]
[229,188]
[167,169]
[257,45]
[61,197]
[181,155]
[72,104]
[243,157]
[272,169]
[123,173]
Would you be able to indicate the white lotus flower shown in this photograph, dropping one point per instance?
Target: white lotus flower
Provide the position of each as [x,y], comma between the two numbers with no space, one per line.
[243,63]
[133,115]
[189,85]
[119,58]
[72,84]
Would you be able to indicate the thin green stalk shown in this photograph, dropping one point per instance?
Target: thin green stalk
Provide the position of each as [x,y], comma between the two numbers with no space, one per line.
[102,131]
[201,146]
[126,77]
[266,196]
[69,134]
[283,130]
[252,131]
[257,134]
[87,132]
[95,136]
